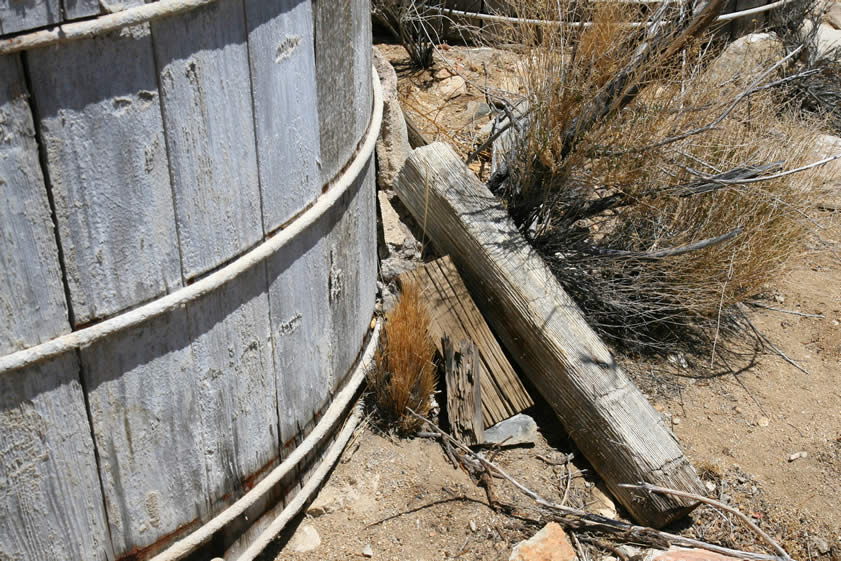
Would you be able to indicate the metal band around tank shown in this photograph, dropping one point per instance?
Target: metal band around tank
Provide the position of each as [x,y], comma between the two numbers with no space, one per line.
[337,187]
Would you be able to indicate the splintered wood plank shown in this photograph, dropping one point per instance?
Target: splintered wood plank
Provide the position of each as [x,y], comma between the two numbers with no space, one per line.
[282,57]
[144,399]
[107,166]
[464,394]
[232,360]
[202,58]
[75,9]
[19,15]
[50,497]
[455,315]
[32,304]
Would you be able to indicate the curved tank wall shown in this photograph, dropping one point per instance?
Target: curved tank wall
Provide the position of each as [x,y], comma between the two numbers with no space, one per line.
[165,342]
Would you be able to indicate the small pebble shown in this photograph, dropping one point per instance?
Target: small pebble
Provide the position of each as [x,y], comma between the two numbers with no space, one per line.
[472,526]
[797,456]
[676,420]
[367,551]
[763,421]
[710,486]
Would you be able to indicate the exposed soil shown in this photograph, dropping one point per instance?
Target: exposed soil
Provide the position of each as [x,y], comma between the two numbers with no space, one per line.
[406,501]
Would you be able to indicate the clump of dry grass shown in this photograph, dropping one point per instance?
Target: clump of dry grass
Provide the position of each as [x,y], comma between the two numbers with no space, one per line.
[616,174]
[404,374]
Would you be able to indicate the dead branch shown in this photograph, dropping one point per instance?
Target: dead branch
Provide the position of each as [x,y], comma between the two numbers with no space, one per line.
[792,312]
[580,519]
[717,504]
[665,252]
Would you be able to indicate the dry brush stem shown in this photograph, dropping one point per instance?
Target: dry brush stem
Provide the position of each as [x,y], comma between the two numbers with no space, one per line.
[404,374]
[581,519]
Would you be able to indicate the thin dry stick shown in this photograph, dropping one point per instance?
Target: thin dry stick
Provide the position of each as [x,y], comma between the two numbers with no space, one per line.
[664,491]
[792,312]
[595,521]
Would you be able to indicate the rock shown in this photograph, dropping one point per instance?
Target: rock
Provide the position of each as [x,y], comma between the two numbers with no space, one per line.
[367,551]
[820,544]
[745,57]
[452,87]
[602,504]
[797,456]
[306,538]
[828,37]
[832,16]
[763,422]
[675,420]
[519,429]
[549,544]
[710,486]
[393,229]
[477,109]
[393,143]
[679,554]
[329,500]
[473,526]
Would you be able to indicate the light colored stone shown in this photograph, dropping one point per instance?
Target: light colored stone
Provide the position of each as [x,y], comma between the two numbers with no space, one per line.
[820,544]
[832,16]
[393,143]
[601,503]
[549,544]
[367,551]
[517,430]
[452,87]
[763,422]
[393,230]
[306,538]
[329,500]
[745,57]
[797,456]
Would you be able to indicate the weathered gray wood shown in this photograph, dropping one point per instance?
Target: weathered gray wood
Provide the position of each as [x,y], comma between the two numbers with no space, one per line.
[301,325]
[19,15]
[32,304]
[50,499]
[234,375]
[75,9]
[464,393]
[363,95]
[144,398]
[352,271]
[280,38]
[609,419]
[107,166]
[334,65]
[454,314]
[202,58]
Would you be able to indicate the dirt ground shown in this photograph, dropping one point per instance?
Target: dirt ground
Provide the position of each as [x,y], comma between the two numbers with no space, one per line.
[746,433]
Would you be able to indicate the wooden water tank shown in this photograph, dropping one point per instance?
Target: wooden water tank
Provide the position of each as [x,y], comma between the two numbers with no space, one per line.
[187,240]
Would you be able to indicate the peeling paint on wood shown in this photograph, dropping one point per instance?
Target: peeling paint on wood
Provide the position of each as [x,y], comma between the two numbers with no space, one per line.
[280,39]
[50,496]
[144,397]
[206,99]
[107,164]
[32,304]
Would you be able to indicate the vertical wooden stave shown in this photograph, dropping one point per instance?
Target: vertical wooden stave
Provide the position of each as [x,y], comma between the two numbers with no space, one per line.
[144,403]
[75,9]
[202,60]
[232,355]
[112,192]
[282,58]
[50,496]
[32,303]
[20,16]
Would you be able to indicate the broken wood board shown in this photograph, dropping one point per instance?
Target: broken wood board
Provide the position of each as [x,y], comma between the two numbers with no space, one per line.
[454,314]
[609,419]
[464,393]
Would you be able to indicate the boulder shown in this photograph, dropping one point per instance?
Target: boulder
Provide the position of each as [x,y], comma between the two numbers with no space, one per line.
[306,538]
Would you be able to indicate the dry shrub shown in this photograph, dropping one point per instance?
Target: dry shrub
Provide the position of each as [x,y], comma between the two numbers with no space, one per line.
[404,374]
[616,202]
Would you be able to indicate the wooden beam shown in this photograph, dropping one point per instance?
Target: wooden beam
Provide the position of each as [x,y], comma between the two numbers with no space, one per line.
[606,415]
[455,315]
